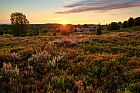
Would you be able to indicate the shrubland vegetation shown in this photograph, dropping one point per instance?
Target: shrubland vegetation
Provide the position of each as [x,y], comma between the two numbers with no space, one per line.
[71,64]
[108,62]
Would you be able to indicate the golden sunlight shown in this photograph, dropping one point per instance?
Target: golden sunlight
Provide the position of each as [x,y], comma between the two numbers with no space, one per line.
[64,23]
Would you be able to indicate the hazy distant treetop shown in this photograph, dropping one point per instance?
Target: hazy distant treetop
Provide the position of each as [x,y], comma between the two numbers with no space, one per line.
[130,22]
[114,26]
[18,18]
[137,21]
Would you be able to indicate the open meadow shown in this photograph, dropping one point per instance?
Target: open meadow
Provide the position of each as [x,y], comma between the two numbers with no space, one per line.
[76,63]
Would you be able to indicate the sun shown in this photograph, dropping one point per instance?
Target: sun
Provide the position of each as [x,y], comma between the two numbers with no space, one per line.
[64,23]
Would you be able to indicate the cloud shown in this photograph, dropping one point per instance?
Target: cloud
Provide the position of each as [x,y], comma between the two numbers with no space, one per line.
[99,5]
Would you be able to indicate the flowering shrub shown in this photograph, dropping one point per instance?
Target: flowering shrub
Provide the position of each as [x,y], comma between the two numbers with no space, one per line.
[8,57]
[25,55]
[8,75]
[7,68]
[70,64]
[71,40]
[64,42]
[63,83]
[39,57]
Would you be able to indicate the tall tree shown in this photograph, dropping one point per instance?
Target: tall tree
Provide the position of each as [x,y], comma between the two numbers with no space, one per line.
[19,23]
[130,22]
[120,24]
[113,26]
[137,21]
[124,24]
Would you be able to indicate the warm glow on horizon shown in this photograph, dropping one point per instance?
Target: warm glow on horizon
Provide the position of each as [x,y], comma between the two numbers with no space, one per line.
[64,23]
[70,11]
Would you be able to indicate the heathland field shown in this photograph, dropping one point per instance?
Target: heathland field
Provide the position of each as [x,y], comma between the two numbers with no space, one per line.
[76,63]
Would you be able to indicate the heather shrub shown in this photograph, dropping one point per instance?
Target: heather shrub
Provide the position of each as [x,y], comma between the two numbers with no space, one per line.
[15,49]
[25,55]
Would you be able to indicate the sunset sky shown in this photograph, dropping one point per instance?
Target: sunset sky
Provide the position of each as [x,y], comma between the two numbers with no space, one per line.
[71,11]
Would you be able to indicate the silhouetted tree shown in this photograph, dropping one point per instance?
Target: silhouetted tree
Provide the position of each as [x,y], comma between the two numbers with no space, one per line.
[130,22]
[124,24]
[19,23]
[85,25]
[137,21]
[99,30]
[114,26]
[120,24]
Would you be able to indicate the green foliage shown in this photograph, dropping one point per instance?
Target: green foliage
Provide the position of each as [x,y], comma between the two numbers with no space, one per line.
[19,24]
[110,75]
[33,32]
[20,29]
[63,83]
[95,64]
[62,64]
[25,55]
[15,49]
[7,36]
[2,31]
[5,29]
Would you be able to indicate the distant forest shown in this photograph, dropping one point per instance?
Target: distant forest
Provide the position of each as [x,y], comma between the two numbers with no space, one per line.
[34,29]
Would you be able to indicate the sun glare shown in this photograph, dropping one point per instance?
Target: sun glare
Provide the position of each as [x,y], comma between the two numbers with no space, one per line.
[64,23]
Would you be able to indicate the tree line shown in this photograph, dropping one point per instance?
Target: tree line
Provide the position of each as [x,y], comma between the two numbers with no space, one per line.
[20,26]
[126,24]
